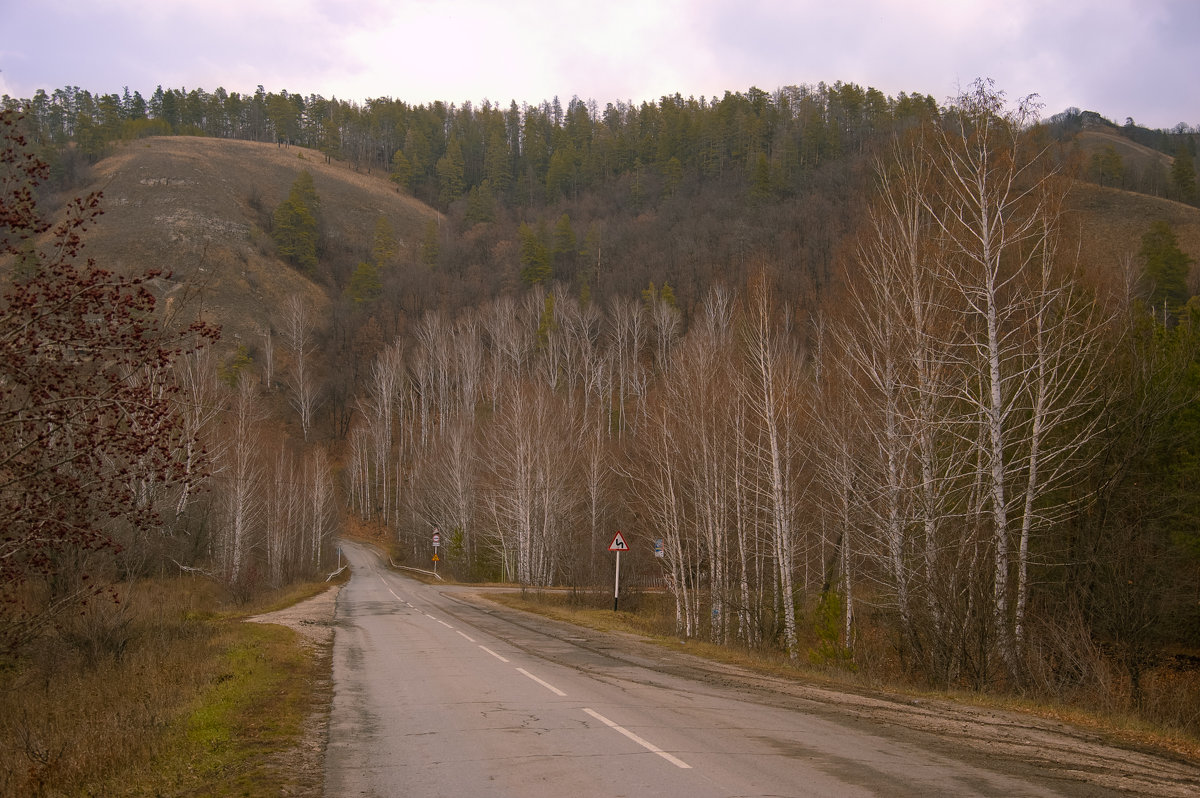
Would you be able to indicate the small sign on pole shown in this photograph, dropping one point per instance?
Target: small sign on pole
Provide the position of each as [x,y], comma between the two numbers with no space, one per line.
[437,541]
[618,545]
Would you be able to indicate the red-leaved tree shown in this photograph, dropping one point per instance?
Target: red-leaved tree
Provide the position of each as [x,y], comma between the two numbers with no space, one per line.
[86,421]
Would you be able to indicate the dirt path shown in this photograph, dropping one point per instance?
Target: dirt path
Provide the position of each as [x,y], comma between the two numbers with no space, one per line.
[313,621]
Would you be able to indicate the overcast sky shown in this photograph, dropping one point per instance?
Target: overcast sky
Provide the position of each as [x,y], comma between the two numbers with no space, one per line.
[1121,58]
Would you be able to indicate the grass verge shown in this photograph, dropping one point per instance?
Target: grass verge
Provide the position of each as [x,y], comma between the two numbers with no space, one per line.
[253,708]
[194,703]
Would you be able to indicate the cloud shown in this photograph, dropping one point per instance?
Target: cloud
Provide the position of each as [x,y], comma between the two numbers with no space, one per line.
[1122,57]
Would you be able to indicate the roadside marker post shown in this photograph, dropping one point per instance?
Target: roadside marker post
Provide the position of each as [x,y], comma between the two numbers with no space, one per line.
[618,545]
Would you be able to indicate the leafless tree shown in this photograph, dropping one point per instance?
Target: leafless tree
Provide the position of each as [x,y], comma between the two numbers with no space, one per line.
[299,328]
[769,390]
[627,337]
[200,402]
[320,516]
[1028,336]
[445,484]
[506,345]
[268,359]
[240,493]
[282,516]
[532,471]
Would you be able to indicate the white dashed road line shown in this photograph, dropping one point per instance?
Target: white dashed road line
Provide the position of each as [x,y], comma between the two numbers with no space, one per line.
[676,761]
[679,763]
[543,683]
[494,654]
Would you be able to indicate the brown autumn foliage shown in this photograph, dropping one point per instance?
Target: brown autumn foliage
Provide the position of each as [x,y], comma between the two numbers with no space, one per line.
[88,436]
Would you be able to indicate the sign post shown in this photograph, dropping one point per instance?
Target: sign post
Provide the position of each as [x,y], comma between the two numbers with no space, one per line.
[618,545]
[437,541]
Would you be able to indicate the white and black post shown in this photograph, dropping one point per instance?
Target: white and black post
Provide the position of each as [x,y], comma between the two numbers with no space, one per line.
[618,545]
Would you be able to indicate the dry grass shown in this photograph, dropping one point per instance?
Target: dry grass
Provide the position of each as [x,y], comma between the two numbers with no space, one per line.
[200,208]
[193,702]
[1110,223]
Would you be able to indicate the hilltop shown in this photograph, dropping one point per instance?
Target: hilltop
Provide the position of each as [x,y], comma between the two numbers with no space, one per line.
[1112,220]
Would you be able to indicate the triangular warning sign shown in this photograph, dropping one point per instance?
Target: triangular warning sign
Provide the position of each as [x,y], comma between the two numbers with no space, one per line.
[618,543]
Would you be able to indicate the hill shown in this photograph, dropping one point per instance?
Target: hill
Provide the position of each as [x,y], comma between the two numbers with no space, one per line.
[1111,222]
[1107,155]
[200,209]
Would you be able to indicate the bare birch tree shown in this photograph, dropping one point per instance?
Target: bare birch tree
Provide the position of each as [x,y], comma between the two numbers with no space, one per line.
[282,517]
[1029,336]
[628,330]
[240,493]
[200,402]
[319,522]
[769,394]
[299,328]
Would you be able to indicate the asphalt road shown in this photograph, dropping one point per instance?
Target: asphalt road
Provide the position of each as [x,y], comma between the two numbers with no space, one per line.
[440,694]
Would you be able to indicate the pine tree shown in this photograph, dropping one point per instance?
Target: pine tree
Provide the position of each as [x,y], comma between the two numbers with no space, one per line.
[497,162]
[1183,175]
[1165,268]
[481,204]
[383,243]
[402,171]
[365,285]
[295,227]
[1108,167]
[450,170]
[667,295]
[565,243]
[535,260]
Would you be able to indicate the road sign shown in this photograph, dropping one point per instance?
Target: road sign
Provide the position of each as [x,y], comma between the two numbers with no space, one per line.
[658,548]
[437,538]
[618,545]
[436,558]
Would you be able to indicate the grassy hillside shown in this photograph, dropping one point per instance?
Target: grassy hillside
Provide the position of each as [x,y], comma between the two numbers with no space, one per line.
[200,208]
[1111,223]
[1095,138]
[1109,157]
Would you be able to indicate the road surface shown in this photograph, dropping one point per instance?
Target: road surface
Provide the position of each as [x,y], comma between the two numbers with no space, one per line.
[440,693]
